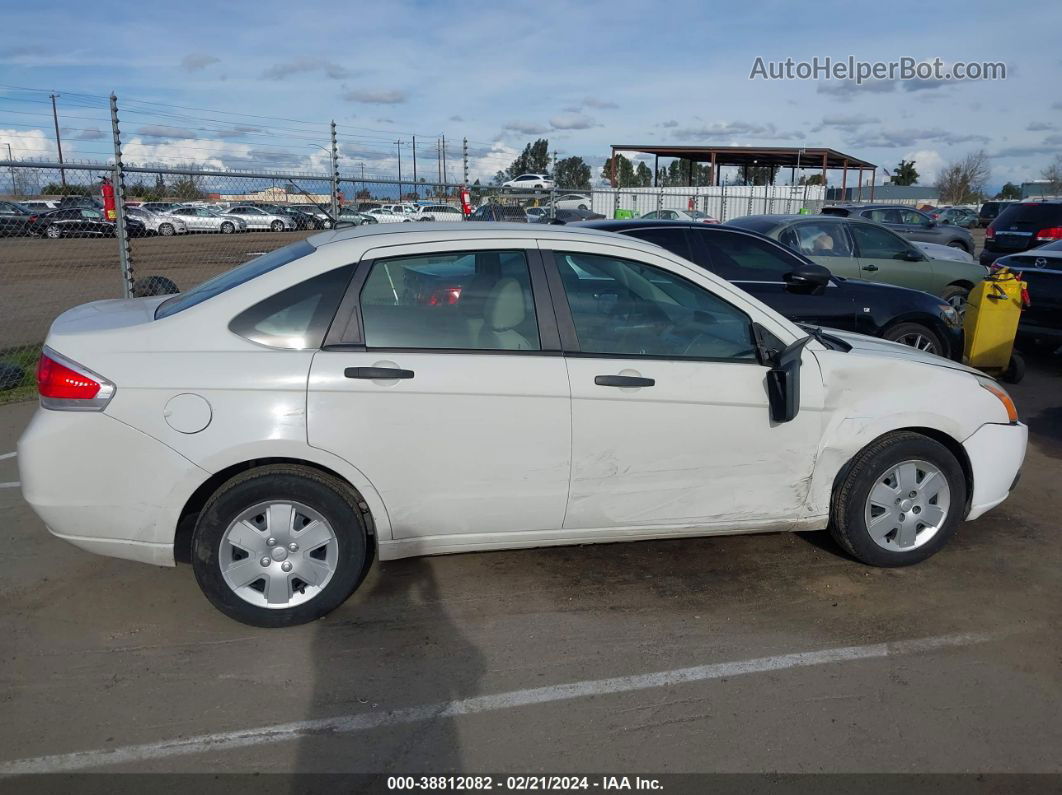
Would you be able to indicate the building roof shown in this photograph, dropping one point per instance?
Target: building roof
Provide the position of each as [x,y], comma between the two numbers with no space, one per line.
[782,156]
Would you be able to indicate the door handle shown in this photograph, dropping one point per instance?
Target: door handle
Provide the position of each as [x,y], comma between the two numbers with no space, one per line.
[377,373]
[623,380]
[870,267]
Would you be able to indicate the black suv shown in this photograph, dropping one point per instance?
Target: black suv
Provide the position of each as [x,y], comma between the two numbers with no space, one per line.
[990,211]
[1022,226]
[801,290]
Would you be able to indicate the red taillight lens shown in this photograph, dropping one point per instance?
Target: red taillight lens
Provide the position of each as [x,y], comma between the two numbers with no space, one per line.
[1050,233]
[445,296]
[990,232]
[55,380]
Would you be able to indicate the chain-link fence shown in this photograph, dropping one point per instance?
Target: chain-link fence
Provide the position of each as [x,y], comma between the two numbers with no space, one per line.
[185,225]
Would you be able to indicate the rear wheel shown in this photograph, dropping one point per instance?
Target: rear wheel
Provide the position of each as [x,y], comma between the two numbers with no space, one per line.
[227,228]
[900,500]
[917,336]
[166,230]
[54,232]
[280,545]
[277,226]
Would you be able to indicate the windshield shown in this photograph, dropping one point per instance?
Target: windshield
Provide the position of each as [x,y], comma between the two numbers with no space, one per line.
[233,278]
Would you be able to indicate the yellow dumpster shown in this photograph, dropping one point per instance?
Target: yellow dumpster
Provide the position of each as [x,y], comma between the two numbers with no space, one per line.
[991,323]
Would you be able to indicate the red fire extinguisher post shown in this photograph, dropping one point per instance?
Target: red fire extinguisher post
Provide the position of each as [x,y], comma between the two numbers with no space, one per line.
[466,202]
[107,192]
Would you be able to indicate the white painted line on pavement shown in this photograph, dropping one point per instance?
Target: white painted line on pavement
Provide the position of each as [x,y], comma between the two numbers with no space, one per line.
[343,724]
[12,485]
[8,455]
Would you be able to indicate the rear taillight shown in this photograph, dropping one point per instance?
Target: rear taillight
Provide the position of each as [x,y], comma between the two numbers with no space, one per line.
[66,385]
[444,296]
[1050,233]
[990,232]
[32,218]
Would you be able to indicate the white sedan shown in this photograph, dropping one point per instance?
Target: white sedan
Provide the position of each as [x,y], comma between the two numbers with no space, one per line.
[386,216]
[209,219]
[530,182]
[279,425]
[680,215]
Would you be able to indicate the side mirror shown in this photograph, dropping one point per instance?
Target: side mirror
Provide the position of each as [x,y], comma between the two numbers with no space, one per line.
[807,278]
[910,255]
[783,379]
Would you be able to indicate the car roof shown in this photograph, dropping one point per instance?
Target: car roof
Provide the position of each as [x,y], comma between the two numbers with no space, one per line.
[465,230]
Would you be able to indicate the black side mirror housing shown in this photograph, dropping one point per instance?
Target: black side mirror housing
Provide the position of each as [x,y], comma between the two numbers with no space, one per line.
[912,256]
[783,377]
[808,278]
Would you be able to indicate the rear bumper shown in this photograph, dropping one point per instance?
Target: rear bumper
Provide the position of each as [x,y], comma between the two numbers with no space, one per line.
[996,453]
[104,486]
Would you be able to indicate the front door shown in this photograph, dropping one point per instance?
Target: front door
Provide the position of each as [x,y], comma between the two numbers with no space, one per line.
[450,393]
[670,419]
[886,257]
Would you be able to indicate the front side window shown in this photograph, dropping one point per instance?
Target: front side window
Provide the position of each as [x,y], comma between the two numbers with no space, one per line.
[625,308]
[883,216]
[298,317]
[233,278]
[479,300]
[877,243]
[816,239]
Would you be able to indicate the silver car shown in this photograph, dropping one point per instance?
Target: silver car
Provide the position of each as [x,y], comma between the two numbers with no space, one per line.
[207,219]
[257,218]
[320,214]
[158,223]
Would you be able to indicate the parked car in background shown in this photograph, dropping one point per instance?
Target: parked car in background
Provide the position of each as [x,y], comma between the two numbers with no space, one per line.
[802,290]
[859,249]
[1021,226]
[679,215]
[322,214]
[386,216]
[14,219]
[1041,268]
[91,202]
[646,416]
[572,201]
[209,219]
[990,210]
[530,182]
[259,219]
[80,222]
[912,224]
[303,221]
[351,217]
[535,214]
[164,224]
[499,212]
[563,216]
[438,212]
[956,216]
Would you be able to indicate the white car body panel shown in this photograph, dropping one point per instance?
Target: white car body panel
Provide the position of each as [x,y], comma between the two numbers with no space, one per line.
[937,251]
[481,451]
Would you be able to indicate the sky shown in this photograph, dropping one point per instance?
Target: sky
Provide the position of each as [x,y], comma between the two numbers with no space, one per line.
[255,83]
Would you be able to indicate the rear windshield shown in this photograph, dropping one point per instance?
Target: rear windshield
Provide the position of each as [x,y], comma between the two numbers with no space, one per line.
[835,211]
[1046,214]
[233,278]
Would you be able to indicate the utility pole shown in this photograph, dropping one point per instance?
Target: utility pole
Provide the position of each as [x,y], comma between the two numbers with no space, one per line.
[415,193]
[335,174]
[58,142]
[398,143]
[446,175]
[14,190]
[464,158]
[125,254]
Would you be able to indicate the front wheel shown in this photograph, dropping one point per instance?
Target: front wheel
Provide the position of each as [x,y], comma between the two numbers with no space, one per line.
[277,226]
[957,296]
[917,336]
[227,228]
[280,545]
[53,232]
[900,500]
[166,230]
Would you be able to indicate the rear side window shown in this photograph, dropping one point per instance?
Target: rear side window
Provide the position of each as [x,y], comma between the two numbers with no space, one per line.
[740,257]
[674,240]
[298,317]
[1040,215]
[233,278]
[818,239]
[478,300]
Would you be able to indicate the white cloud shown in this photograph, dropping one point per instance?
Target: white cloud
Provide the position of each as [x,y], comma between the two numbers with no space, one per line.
[525,127]
[194,62]
[572,121]
[928,163]
[383,97]
[27,145]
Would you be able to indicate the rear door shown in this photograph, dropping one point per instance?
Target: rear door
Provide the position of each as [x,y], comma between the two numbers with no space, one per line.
[446,388]
[886,257]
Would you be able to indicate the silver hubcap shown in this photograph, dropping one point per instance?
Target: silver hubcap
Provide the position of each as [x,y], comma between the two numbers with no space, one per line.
[907,505]
[919,341]
[278,554]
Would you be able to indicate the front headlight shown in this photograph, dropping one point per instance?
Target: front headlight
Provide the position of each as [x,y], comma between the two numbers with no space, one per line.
[1001,394]
[951,315]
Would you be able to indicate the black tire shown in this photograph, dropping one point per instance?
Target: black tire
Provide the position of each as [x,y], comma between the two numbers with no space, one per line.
[907,333]
[277,226]
[53,232]
[847,520]
[956,295]
[318,490]
[166,230]
[1015,371]
[583,207]
[228,227]
[154,285]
